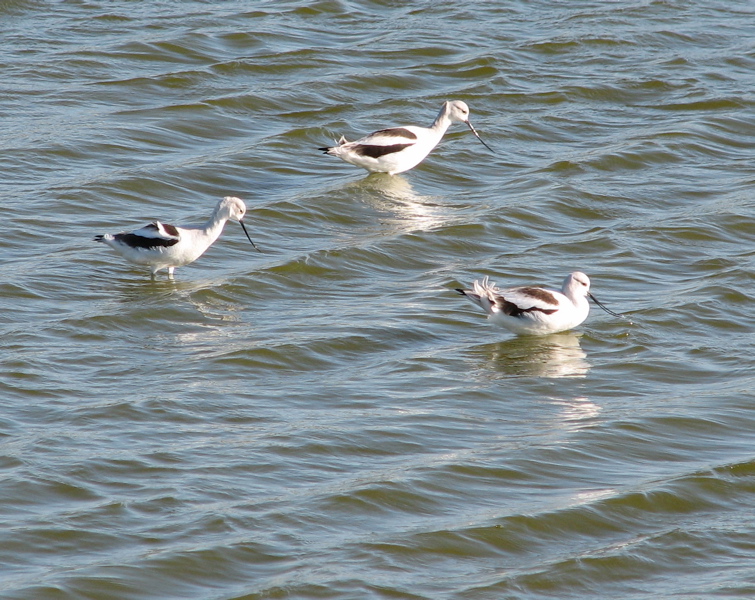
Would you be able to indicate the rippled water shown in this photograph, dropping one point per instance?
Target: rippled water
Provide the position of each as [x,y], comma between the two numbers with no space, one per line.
[328,419]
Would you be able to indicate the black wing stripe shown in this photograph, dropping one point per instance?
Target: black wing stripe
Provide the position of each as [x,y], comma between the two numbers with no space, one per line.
[138,241]
[509,308]
[378,151]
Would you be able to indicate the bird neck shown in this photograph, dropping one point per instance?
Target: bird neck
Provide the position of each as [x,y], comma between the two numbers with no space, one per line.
[442,121]
[214,226]
[578,300]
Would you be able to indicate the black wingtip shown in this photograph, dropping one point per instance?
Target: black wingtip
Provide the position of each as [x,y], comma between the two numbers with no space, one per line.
[461,291]
[98,238]
[324,150]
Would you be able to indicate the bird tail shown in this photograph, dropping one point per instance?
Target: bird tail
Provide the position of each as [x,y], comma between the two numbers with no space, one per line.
[99,238]
[471,295]
[329,150]
[485,288]
[482,294]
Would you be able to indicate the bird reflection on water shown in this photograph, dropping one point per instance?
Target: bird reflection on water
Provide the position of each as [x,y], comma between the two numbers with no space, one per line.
[395,195]
[552,356]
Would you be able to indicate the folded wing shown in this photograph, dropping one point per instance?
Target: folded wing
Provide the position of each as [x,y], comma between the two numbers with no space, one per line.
[154,235]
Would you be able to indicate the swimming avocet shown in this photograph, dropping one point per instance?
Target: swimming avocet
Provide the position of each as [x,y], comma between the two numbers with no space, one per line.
[161,246]
[534,310]
[399,149]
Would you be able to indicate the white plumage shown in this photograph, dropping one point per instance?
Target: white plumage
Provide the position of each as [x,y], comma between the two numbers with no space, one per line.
[535,310]
[160,246]
[399,149]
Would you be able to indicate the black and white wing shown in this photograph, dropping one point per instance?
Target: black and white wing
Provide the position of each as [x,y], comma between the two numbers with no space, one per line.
[154,235]
[517,302]
[380,143]
[514,302]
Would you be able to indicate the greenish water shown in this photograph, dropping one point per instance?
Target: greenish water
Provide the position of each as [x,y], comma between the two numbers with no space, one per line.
[329,419]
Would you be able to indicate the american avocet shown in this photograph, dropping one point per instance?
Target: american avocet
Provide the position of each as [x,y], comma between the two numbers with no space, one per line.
[399,149]
[161,246]
[534,310]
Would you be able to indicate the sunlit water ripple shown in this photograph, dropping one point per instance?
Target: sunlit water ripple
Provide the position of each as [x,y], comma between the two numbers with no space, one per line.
[329,419]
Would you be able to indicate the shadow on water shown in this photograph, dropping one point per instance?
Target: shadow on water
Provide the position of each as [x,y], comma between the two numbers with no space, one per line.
[553,356]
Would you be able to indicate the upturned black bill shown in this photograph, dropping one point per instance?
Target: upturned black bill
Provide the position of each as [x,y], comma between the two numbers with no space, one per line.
[610,312]
[478,136]
[247,236]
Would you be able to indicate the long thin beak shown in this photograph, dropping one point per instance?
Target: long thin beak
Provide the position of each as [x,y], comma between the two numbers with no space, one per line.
[610,312]
[247,236]
[478,136]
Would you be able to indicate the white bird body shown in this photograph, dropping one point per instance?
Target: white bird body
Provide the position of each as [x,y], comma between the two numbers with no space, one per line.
[160,246]
[399,149]
[535,310]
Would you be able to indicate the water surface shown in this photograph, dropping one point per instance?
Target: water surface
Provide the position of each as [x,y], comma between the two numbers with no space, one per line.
[329,419]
